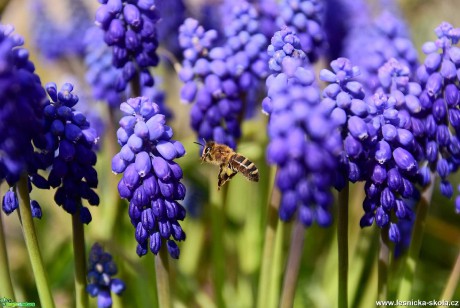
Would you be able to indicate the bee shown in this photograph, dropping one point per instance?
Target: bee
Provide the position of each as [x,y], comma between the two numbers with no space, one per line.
[229,161]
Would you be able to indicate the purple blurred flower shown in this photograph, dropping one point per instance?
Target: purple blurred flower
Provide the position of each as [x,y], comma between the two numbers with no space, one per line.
[304,142]
[305,18]
[172,14]
[56,40]
[101,74]
[151,178]
[101,268]
[371,45]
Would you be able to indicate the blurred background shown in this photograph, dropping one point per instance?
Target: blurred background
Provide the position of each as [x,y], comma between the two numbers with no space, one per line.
[245,213]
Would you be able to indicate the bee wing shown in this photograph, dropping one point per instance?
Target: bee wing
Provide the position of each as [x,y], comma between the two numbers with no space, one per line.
[225,174]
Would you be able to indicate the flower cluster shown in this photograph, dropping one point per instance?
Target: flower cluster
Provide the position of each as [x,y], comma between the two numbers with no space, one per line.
[101,74]
[305,17]
[304,142]
[151,178]
[101,268]
[130,28]
[440,101]
[69,148]
[216,76]
[54,40]
[370,46]
[268,12]
[379,147]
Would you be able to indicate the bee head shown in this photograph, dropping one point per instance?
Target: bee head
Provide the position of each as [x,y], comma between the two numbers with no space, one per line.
[207,147]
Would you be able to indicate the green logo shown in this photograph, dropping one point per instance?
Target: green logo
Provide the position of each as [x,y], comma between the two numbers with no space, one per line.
[7,302]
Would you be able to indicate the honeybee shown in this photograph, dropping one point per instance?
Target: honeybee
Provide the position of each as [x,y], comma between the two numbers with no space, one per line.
[229,161]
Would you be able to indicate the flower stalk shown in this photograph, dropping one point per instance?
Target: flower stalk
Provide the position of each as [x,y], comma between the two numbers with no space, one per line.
[78,240]
[342,239]
[416,241]
[30,237]
[5,279]
[293,265]
[384,264]
[162,278]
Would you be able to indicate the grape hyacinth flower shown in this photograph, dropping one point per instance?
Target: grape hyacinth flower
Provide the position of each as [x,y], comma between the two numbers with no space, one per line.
[370,46]
[151,178]
[130,28]
[215,77]
[55,40]
[168,26]
[306,18]
[284,43]
[344,97]
[101,268]
[22,98]
[101,74]
[69,147]
[304,143]
[440,102]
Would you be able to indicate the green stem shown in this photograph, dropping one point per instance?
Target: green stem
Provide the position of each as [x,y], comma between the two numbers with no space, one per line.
[452,283]
[218,249]
[162,276]
[383,266]
[5,279]
[28,229]
[269,243]
[110,182]
[342,239]
[293,265]
[277,266]
[416,242]
[81,297]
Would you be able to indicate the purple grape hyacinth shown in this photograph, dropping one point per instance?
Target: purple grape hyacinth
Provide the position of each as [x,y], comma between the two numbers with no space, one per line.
[151,178]
[440,101]
[69,150]
[22,98]
[304,142]
[130,28]
[379,147]
[215,77]
[101,74]
[55,40]
[101,268]
[371,45]
[306,18]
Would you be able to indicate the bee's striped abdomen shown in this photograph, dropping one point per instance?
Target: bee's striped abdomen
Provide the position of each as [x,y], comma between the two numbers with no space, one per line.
[241,164]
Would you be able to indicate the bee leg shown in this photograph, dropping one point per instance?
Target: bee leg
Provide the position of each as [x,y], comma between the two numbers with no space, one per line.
[225,174]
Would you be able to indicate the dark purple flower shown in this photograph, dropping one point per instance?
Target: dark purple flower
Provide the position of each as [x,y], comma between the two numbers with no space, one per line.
[131,31]
[101,268]
[22,98]
[151,178]
[69,146]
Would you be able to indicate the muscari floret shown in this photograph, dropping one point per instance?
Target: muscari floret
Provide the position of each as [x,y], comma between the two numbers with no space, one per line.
[101,268]
[151,178]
